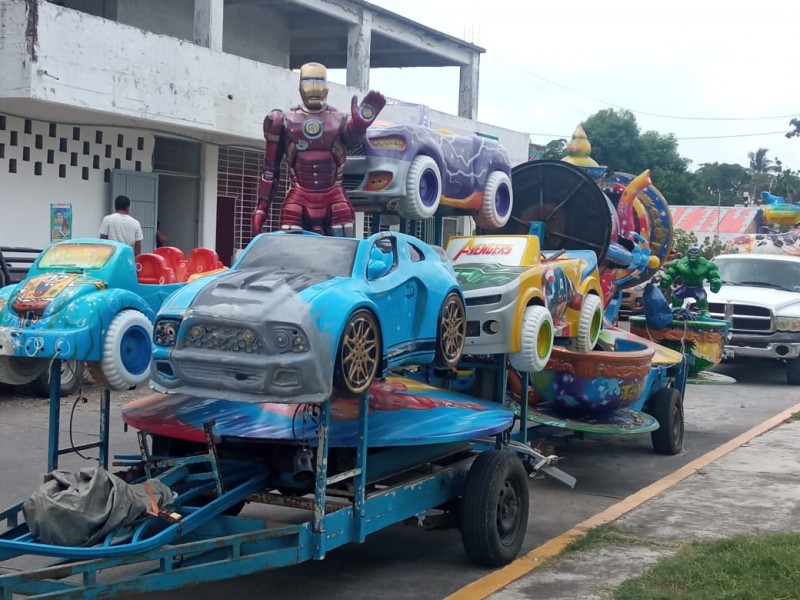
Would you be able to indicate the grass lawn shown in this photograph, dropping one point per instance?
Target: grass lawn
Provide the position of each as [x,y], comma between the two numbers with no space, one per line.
[763,567]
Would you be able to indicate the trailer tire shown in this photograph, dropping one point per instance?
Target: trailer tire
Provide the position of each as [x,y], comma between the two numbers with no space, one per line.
[19,370]
[71,375]
[793,371]
[493,511]
[667,407]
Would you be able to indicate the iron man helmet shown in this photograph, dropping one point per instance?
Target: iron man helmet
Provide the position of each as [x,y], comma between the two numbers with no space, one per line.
[314,85]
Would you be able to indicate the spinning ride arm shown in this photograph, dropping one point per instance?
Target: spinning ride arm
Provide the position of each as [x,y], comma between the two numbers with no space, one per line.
[273,134]
[640,260]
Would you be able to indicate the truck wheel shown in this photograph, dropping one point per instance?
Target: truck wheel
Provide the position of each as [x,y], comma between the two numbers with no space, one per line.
[667,407]
[19,370]
[537,341]
[793,371]
[589,323]
[493,511]
[71,374]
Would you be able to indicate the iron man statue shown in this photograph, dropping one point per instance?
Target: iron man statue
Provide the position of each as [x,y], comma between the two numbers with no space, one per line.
[314,138]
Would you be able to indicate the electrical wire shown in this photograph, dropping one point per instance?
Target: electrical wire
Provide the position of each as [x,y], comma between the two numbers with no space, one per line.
[652,114]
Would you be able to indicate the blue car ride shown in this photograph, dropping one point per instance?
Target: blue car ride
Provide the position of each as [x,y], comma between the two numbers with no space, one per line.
[80,301]
[300,316]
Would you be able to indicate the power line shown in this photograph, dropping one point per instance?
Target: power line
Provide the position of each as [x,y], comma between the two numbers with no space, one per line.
[738,135]
[651,114]
[701,137]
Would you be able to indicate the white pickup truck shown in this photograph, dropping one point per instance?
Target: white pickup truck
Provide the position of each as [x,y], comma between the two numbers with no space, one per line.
[760,295]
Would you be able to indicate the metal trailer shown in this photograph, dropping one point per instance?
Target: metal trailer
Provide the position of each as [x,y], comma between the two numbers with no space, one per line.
[197,540]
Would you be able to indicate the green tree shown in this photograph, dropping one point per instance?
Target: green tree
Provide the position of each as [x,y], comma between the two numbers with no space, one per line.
[555,149]
[616,140]
[683,240]
[618,143]
[711,247]
[795,123]
[759,163]
[724,183]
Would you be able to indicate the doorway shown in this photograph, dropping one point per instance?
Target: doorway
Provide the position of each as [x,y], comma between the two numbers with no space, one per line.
[177,163]
[226,217]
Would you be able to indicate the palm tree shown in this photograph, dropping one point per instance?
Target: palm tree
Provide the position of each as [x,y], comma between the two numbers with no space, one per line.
[759,163]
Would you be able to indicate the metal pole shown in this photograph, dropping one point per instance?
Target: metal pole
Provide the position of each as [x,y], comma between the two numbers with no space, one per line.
[55,412]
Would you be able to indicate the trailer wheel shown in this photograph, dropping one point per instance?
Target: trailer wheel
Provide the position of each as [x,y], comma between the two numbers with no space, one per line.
[19,370]
[793,371]
[493,515]
[71,374]
[667,407]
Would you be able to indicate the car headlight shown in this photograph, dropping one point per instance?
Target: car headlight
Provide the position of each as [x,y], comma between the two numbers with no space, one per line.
[166,332]
[289,339]
[787,323]
[389,142]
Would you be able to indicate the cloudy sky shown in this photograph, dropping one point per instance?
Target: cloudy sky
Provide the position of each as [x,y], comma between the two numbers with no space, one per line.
[697,69]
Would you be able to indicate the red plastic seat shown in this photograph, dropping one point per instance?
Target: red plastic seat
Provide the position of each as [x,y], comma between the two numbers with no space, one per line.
[175,259]
[153,269]
[173,255]
[202,260]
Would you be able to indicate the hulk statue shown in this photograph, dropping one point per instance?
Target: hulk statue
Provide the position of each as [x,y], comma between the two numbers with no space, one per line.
[692,270]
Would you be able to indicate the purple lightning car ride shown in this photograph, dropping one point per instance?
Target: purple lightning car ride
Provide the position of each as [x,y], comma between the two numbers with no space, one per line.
[406,166]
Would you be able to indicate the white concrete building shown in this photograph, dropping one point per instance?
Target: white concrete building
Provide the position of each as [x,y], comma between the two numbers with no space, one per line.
[165,101]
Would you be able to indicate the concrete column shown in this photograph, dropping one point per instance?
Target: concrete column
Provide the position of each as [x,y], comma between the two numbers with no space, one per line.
[468,88]
[359,39]
[208,23]
[209,169]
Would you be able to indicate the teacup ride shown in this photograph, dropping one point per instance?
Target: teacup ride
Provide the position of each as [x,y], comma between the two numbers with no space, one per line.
[701,340]
[628,384]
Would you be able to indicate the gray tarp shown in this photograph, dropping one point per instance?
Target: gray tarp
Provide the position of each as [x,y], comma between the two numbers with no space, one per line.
[80,509]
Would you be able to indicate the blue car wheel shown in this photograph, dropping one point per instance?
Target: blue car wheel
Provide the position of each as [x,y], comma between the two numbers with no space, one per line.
[359,355]
[127,351]
[451,333]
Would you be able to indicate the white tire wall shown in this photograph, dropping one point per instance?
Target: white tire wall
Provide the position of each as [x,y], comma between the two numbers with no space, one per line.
[536,321]
[423,189]
[588,332]
[127,350]
[498,190]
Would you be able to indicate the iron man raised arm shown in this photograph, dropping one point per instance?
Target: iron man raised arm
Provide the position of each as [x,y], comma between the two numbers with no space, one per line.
[314,138]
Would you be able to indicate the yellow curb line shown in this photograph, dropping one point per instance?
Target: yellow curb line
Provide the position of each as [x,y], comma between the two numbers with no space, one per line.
[499,579]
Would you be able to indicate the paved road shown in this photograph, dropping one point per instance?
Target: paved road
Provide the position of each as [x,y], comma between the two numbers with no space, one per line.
[409,562]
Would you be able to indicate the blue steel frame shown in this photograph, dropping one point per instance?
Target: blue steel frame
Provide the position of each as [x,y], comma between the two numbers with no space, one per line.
[213,546]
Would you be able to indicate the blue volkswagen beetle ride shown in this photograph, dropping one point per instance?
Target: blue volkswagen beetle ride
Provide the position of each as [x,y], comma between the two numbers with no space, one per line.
[301,315]
[80,301]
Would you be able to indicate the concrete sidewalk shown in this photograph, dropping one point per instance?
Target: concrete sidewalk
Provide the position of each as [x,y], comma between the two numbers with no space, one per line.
[755,488]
